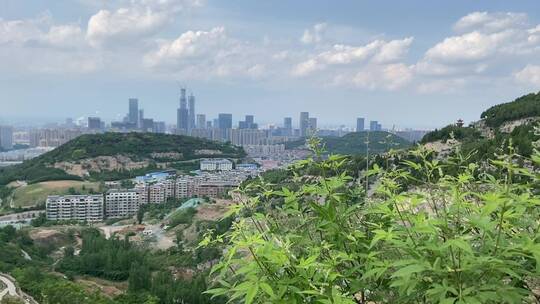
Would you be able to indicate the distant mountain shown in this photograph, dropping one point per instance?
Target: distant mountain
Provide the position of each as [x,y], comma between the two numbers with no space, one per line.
[117,155]
[355,143]
[500,125]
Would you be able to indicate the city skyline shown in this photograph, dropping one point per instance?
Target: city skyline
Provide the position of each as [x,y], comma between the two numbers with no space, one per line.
[83,58]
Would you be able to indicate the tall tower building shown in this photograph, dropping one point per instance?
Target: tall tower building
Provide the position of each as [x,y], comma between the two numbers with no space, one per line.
[182,115]
[191,115]
[6,137]
[224,125]
[304,123]
[201,121]
[312,125]
[133,116]
[141,119]
[360,124]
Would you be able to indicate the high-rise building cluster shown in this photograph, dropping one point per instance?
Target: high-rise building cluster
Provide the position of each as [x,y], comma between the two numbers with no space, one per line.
[135,120]
[373,125]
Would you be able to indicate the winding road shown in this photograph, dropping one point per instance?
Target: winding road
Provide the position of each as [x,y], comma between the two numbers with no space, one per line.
[12,290]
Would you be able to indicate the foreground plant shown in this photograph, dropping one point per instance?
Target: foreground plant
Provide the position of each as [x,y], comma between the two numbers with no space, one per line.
[467,237]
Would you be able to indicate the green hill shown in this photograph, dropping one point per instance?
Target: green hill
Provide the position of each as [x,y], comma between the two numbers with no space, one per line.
[500,125]
[355,143]
[523,107]
[149,148]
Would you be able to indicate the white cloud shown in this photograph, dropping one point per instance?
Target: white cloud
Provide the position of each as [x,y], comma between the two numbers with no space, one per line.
[488,41]
[64,35]
[123,24]
[306,67]
[490,22]
[530,75]
[189,45]
[313,35]
[472,46]
[134,20]
[208,54]
[394,50]
[388,77]
[378,51]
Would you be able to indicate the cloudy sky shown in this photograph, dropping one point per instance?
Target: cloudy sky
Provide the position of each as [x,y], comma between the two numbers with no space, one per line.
[409,63]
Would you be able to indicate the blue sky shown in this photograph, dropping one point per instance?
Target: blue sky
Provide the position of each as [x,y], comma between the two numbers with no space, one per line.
[409,63]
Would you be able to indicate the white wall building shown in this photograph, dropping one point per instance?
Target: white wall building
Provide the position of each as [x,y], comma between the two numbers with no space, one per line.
[84,208]
[216,165]
[121,203]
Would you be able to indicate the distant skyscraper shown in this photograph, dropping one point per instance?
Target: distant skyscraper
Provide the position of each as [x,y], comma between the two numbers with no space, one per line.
[148,125]
[69,123]
[133,115]
[182,115]
[304,123]
[216,123]
[287,123]
[225,121]
[248,123]
[312,125]
[209,125]
[360,124]
[224,125]
[141,118]
[191,115]
[6,137]
[94,123]
[375,126]
[159,127]
[201,121]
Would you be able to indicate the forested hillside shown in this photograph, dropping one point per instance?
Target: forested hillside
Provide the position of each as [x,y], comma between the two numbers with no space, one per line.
[509,124]
[139,146]
[146,148]
[523,107]
[355,143]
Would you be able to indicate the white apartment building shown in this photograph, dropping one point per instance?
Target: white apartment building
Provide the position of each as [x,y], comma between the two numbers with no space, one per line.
[182,187]
[121,203]
[216,165]
[156,193]
[142,191]
[84,208]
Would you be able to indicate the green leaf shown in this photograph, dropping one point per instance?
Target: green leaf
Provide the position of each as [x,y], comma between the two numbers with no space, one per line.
[251,293]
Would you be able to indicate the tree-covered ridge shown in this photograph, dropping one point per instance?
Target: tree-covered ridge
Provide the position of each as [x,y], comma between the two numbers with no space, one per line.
[138,145]
[355,143]
[452,132]
[459,235]
[523,107]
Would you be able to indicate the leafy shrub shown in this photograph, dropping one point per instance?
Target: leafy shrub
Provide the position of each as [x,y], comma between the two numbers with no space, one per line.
[466,237]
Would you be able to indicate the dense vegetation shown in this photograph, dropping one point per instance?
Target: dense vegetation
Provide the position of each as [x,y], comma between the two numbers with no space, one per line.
[452,132]
[523,107]
[355,143]
[462,237]
[137,146]
[147,274]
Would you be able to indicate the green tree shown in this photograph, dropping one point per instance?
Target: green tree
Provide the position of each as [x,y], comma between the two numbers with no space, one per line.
[464,237]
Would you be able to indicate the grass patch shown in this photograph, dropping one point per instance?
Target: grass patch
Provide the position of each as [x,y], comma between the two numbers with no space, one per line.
[34,194]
